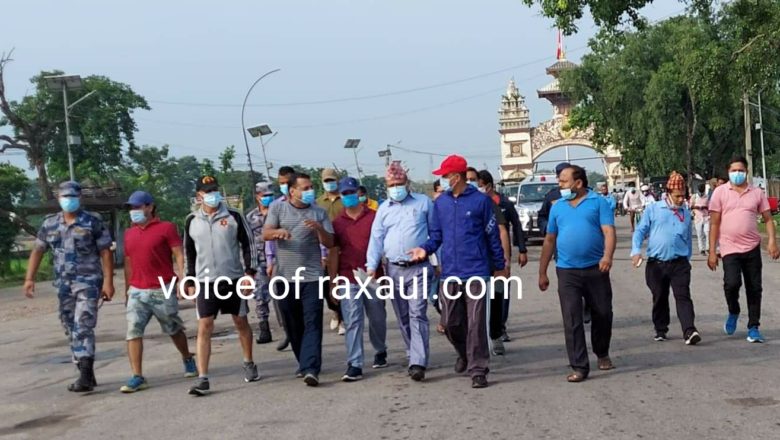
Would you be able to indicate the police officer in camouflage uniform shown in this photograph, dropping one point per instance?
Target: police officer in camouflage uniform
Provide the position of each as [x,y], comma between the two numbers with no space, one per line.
[83,273]
[264,195]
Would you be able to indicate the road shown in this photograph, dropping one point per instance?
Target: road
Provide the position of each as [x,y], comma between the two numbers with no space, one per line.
[723,388]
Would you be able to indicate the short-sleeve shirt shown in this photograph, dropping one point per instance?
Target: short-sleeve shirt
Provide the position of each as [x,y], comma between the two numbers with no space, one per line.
[303,247]
[738,226]
[149,249]
[76,247]
[351,237]
[332,207]
[580,240]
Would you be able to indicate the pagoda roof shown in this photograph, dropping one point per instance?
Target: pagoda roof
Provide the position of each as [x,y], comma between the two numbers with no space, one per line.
[561,64]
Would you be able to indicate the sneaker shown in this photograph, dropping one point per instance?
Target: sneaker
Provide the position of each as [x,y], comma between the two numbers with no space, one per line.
[250,372]
[659,336]
[754,335]
[479,382]
[342,330]
[311,380]
[282,345]
[417,373]
[298,374]
[380,360]
[201,387]
[693,339]
[353,374]
[460,365]
[498,347]
[190,368]
[263,333]
[334,322]
[135,383]
[505,337]
[730,326]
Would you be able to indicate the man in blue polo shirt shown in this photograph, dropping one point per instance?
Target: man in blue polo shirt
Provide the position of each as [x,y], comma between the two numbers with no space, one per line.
[667,223]
[582,229]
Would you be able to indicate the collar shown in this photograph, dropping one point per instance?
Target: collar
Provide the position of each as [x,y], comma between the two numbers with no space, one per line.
[362,214]
[221,211]
[151,222]
[324,198]
[61,216]
[409,195]
[748,187]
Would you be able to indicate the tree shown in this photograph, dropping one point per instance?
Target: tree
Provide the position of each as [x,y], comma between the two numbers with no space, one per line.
[226,159]
[104,121]
[13,184]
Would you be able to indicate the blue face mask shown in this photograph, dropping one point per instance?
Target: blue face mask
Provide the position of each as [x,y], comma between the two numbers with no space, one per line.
[137,216]
[363,199]
[444,183]
[568,194]
[308,197]
[397,193]
[737,177]
[266,200]
[330,186]
[69,204]
[350,200]
[284,188]
[474,184]
[212,199]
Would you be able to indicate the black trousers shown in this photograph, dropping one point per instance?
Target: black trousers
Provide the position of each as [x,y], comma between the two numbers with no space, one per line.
[595,288]
[660,277]
[735,267]
[497,322]
[303,325]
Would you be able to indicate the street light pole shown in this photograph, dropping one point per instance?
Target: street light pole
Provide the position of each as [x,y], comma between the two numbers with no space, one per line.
[67,131]
[761,134]
[243,128]
[265,158]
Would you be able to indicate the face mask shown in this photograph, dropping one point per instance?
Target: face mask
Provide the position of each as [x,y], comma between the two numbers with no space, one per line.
[737,177]
[330,186]
[397,193]
[363,199]
[308,197]
[284,188]
[474,184]
[633,191]
[137,216]
[212,199]
[350,200]
[69,204]
[266,200]
[568,194]
[482,189]
[444,183]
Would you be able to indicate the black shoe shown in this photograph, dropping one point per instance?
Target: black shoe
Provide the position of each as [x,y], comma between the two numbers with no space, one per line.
[311,380]
[353,374]
[380,360]
[283,344]
[263,333]
[86,381]
[586,316]
[201,387]
[505,337]
[693,338]
[460,365]
[417,373]
[660,336]
[479,382]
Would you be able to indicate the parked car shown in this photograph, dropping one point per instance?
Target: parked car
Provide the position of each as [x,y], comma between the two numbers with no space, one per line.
[530,195]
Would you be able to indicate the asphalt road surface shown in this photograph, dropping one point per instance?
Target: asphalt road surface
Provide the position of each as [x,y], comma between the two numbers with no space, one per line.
[723,388]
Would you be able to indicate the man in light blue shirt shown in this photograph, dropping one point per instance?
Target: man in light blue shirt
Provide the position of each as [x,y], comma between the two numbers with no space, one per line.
[667,226]
[400,225]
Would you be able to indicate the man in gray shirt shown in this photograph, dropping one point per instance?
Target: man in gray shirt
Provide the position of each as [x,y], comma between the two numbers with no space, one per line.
[299,226]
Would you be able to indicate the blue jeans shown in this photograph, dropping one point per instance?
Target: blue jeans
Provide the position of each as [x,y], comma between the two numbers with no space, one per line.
[303,324]
[412,314]
[352,310]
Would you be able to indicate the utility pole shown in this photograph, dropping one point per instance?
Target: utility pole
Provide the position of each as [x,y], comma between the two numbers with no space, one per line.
[761,134]
[748,138]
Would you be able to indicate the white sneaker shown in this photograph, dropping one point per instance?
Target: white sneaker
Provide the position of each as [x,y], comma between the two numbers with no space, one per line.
[342,330]
[334,323]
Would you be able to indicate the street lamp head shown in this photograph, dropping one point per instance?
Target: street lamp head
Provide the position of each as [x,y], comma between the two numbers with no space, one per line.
[259,130]
[56,83]
[352,143]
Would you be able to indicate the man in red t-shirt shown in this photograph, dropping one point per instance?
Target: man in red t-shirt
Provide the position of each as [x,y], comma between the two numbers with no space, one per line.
[149,247]
[352,230]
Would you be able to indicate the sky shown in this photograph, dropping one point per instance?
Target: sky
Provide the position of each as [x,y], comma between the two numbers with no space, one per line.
[426,75]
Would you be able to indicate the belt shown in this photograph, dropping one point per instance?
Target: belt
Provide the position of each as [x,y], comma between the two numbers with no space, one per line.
[406,263]
[656,260]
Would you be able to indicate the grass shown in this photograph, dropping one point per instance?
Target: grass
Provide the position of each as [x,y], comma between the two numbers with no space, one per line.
[762,225]
[13,274]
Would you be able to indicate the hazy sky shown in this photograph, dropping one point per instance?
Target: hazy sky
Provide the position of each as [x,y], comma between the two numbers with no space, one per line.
[194,61]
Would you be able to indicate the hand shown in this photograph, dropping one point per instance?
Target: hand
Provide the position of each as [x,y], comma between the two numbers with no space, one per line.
[269,271]
[636,259]
[503,273]
[313,225]
[29,288]
[605,264]
[281,234]
[107,290]
[522,259]
[544,282]
[774,253]
[417,254]
[191,292]
[245,282]
[712,261]
[370,273]
[437,271]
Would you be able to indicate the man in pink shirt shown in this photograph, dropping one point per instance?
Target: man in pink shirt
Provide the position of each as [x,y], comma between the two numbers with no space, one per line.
[733,211]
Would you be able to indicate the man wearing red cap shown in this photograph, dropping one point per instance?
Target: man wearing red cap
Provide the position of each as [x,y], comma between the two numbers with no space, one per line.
[464,225]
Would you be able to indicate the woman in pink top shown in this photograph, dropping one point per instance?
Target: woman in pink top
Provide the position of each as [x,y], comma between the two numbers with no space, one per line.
[734,208]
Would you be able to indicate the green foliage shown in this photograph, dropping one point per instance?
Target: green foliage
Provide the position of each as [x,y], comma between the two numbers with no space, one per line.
[13,184]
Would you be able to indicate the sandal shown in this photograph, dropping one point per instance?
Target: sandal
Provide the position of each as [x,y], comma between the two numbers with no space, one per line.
[605,364]
[575,376]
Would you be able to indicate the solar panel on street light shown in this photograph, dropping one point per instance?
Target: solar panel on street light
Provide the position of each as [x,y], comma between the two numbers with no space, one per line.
[259,130]
[352,143]
[56,83]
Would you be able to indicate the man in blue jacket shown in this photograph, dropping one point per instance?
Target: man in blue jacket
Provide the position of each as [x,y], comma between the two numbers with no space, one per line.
[464,225]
